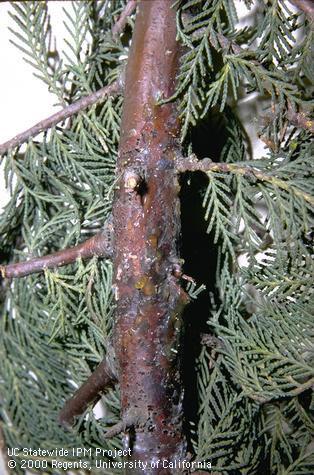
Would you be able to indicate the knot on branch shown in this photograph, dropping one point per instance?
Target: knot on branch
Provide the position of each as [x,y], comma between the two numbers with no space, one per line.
[132,181]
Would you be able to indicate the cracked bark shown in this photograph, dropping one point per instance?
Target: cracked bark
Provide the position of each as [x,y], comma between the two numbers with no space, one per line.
[146,220]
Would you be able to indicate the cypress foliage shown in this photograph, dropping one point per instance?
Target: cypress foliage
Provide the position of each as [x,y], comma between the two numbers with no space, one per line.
[254,363]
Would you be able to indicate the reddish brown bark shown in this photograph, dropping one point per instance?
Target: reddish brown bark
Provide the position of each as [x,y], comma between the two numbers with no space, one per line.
[146,218]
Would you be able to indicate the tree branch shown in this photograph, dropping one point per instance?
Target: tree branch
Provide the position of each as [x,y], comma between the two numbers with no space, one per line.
[68,111]
[90,391]
[307,6]
[120,24]
[98,245]
[146,217]
[205,165]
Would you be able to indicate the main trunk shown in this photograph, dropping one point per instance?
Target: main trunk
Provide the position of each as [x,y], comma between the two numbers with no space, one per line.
[147,228]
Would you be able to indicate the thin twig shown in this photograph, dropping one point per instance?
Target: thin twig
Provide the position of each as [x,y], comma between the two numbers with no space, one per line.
[224,42]
[300,119]
[309,384]
[63,114]
[205,165]
[117,428]
[98,245]
[296,118]
[90,391]
[120,24]
[307,6]
[133,418]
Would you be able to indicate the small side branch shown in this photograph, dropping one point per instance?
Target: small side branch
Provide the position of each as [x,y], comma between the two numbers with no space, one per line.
[307,6]
[62,115]
[296,118]
[90,391]
[300,119]
[205,165]
[133,418]
[301,387]
[120,24]
[98,245]
[119,427]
